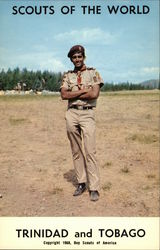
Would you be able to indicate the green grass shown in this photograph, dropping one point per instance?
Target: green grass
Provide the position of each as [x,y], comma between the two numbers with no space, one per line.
[12,98]
[151,176]
[107,93]
[107,186]
[146,188]
[144,139]
[148,116]
[17,121]
[125,170]
[132,93]
[107,164]
[56,190]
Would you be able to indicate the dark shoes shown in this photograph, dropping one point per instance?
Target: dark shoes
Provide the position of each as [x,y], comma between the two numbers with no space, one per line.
[94,195]
[80,189]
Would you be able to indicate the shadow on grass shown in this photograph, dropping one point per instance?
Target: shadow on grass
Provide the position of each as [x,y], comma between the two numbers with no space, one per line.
[70,176]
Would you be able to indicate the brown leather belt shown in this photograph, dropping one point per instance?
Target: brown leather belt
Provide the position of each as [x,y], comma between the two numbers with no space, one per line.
[80,107]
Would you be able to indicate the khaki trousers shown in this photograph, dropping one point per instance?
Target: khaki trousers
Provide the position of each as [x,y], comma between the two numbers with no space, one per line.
[80,126]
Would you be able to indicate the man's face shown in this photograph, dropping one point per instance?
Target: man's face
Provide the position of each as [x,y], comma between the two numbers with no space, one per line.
[78,60]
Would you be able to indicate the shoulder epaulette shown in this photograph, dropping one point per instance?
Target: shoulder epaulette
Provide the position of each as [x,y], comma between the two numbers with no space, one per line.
[90,68]
[70,71]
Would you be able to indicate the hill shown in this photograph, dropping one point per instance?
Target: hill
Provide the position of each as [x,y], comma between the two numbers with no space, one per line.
[153,83]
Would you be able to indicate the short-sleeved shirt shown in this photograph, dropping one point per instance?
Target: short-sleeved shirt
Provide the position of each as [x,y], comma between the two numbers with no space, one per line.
[75,80]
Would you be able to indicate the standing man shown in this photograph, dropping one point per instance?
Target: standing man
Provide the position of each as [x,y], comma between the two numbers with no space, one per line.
[81,88]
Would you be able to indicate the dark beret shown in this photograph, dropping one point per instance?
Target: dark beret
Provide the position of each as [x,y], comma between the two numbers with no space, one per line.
[75,49]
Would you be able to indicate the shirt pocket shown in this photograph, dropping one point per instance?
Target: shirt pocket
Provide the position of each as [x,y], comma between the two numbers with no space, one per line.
[88,84]
[73,86]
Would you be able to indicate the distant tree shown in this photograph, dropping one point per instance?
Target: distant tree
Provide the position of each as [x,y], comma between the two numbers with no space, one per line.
[39,81]
[122,86]
[9,85]
[3,80]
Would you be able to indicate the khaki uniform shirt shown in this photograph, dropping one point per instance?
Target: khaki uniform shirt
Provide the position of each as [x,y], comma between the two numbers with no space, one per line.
[75,80]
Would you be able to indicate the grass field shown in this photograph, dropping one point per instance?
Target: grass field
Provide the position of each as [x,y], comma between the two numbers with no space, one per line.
[37,176]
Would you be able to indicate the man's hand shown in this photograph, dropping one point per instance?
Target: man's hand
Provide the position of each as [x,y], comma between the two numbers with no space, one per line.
[66,95]
[84,89]
[92,93]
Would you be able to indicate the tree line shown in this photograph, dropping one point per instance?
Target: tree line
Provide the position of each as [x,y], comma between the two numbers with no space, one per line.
[37,81]
[27,80]
[124,86]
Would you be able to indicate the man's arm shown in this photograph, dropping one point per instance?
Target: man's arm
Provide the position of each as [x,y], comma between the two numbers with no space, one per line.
[66,94]
[93,93]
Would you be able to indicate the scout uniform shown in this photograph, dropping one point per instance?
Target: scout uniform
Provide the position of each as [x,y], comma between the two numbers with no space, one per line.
[80,121]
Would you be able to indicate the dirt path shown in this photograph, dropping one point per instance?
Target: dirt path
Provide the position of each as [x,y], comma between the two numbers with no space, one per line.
[37,176]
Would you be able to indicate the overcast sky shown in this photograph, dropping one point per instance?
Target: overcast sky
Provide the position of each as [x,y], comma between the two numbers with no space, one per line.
[122,47]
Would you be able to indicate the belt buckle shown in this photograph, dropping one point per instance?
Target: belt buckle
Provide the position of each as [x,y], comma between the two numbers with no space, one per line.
[80,107]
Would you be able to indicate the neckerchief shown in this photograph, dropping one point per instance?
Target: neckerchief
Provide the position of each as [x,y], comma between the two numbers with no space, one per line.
[79,78]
